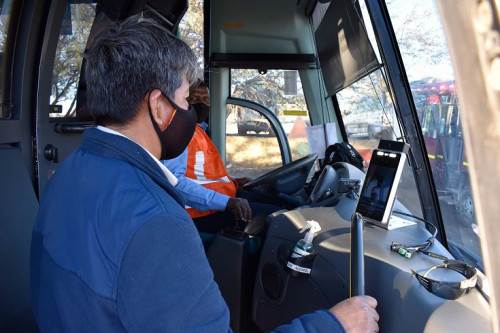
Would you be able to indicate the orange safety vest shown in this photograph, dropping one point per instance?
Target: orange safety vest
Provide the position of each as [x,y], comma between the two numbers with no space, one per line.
[205,167]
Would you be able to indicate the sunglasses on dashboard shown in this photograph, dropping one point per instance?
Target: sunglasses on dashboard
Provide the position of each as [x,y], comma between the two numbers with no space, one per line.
[449,290]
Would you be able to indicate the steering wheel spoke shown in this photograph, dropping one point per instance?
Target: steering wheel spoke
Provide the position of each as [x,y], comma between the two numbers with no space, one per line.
[288,178]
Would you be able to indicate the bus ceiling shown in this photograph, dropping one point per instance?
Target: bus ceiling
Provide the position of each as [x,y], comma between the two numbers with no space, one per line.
[288,35]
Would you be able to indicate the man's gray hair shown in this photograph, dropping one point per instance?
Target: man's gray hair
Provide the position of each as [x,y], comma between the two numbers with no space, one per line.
[128,60]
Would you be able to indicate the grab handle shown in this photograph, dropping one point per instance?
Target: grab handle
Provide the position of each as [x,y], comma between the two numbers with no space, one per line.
[357,261]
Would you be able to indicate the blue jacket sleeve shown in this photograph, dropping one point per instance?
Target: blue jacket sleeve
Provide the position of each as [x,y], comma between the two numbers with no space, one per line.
[316,322]
[165,284]
[196,195]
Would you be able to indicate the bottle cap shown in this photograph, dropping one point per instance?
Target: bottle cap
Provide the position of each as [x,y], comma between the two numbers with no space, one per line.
[313,227]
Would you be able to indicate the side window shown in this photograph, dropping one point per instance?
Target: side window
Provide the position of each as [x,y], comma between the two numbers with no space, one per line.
[5,22]
[252,147]
[368,116]
[250,122]
[367,113]
[191,28]
[75,30]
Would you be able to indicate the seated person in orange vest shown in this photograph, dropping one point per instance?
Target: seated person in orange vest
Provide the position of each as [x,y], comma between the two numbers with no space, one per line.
[213,199]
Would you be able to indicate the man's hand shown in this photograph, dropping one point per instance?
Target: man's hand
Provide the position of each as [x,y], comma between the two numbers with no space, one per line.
[357,314]
[240,208]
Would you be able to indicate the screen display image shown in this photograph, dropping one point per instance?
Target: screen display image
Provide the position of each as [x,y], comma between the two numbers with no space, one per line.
[380,183]
[377,195]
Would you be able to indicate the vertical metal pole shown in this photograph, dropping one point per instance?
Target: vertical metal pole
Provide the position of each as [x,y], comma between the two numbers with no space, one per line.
[357,262]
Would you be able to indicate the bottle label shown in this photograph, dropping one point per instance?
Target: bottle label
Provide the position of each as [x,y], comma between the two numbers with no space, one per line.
[300,267]
[297,268]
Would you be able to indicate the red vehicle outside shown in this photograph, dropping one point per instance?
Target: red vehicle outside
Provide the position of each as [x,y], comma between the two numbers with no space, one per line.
[438,112]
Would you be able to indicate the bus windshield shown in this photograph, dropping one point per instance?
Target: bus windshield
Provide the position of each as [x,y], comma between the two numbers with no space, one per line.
[426,57]
[368,114]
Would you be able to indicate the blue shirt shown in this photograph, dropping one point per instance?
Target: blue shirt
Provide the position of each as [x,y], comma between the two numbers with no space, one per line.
[196,196]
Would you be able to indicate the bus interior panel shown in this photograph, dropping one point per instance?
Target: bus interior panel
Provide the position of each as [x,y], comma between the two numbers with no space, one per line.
[287,80]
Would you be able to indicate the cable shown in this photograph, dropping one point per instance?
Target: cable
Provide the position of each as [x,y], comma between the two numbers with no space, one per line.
[408,250]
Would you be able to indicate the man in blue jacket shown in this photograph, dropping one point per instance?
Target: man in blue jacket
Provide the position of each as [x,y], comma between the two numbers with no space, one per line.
[113,249]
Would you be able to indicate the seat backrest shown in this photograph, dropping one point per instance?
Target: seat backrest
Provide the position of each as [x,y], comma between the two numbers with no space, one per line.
[18,209]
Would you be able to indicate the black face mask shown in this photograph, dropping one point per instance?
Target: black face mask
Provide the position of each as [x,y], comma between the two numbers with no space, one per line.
[202,111]
[175,138]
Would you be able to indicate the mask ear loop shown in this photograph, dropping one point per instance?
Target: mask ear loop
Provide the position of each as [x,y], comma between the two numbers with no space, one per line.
[155,124]
[171,117]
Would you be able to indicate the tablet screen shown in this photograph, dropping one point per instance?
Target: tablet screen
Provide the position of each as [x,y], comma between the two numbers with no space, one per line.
[379,187]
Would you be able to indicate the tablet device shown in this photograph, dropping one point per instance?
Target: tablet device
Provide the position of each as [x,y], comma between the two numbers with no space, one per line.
[379,188]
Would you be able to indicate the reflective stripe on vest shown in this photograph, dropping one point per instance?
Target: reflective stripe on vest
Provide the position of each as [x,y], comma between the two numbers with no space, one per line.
[205,167]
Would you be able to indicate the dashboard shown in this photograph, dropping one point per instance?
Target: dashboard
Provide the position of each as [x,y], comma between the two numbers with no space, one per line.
[403,304]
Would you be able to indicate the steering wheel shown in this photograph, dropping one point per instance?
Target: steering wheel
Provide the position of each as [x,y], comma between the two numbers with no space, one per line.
[288,178]
[326,186]
[326,189]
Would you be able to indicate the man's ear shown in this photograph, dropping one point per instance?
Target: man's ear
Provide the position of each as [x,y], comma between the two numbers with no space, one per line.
[161,109]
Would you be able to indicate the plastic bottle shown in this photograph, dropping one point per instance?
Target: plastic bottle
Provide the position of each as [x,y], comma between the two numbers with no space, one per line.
[305,247]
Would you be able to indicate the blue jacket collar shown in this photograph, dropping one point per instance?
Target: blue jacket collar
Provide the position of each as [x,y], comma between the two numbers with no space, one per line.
[119,147]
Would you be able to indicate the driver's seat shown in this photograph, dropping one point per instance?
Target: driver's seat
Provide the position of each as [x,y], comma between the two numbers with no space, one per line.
[230,260]
[207,239]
